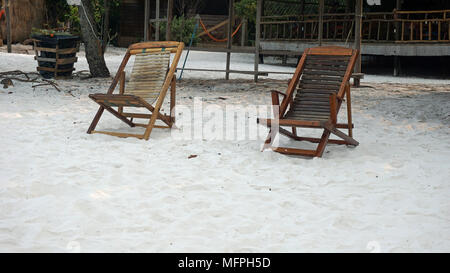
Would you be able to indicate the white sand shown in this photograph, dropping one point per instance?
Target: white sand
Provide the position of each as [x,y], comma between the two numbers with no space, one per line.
[63,190]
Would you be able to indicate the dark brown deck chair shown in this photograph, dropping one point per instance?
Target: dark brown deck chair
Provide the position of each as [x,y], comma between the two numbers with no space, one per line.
[150,80]
[314,96]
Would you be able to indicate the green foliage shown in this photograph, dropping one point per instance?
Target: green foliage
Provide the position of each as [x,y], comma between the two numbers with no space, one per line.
[99,9]
[37,31]
[60,14]
[56,12]
[73,18]
[246,9]
[181,29]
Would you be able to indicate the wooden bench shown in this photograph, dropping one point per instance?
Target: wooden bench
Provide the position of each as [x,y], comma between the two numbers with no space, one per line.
[357,78]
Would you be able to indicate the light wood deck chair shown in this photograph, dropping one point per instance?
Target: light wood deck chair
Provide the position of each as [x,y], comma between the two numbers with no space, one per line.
[150,80]
[314,96]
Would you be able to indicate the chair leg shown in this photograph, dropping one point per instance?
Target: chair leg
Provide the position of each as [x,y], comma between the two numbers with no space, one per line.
[323,143]
[345,137]
[103,107]
[153,118]
[96,119]
[150,126]
[122,89]
[268,142]
[349,113]
[119,116]
[294,131]
[340,134]
[289,134]
[173,87]
[276,114]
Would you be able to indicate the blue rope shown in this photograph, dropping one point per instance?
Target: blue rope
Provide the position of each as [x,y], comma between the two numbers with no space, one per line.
[189,48]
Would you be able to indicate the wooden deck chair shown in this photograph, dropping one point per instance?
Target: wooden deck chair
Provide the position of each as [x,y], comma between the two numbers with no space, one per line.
[150,80]
[314,96]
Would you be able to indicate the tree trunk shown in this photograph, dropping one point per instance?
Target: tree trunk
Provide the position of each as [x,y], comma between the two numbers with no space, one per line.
[92,43]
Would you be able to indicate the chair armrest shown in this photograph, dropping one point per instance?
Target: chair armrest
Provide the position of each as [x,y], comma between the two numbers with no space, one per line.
[276,102]
[275,98]
[278,92]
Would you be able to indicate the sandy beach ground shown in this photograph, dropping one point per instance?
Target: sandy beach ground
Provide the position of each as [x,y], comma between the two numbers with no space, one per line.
[62,190]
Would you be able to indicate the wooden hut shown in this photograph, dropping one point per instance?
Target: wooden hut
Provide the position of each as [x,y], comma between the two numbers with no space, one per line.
[25,14]
[396,28]
[132,17]
[131,27]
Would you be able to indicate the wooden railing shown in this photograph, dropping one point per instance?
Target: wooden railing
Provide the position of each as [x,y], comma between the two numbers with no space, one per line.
[396,26]
[424,26]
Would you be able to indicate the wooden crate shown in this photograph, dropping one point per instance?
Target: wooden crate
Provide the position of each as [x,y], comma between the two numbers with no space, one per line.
[59,64]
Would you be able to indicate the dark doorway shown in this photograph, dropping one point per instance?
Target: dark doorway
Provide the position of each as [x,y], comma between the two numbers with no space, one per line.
[219,7]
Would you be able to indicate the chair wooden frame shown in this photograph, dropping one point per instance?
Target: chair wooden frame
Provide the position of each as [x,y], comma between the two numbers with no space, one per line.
[109,100]
[329,124]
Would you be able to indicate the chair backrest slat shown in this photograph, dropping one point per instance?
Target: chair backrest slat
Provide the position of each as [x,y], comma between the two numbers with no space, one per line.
[148,75]
[323,73]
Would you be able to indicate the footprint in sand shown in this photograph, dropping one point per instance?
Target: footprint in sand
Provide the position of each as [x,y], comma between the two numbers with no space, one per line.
[72,169]
[396,164]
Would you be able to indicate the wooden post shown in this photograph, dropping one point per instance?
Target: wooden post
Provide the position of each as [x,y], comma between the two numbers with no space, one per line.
[347,27]
[8,26]
[229,40]
[244,32]
[157,20]
[397,38]
[169,20]
[321,7]
[358,23]
[146,19]
[259,7]
[105,31]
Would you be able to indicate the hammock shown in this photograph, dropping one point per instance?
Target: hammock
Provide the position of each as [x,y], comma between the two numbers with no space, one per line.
[214,38]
